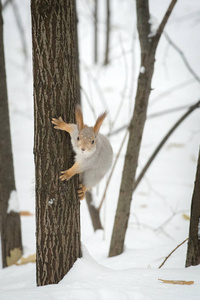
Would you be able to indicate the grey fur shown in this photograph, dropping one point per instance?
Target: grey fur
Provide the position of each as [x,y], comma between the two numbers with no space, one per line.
[96,162]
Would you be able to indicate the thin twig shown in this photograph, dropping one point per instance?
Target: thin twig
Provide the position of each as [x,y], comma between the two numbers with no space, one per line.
[21,29]
[125,83]
[182,56]
[174,214]
[163,141]
[111,173]
[156,38]
[171,90]
[172,253]
[155,115]
[88,101]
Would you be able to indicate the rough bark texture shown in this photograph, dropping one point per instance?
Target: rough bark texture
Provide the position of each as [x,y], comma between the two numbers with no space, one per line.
[193,251]
[10,226]
[148,48]
[56,92]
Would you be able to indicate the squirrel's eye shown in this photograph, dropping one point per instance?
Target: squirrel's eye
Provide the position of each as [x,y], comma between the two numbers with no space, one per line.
[93,142]
[78,138]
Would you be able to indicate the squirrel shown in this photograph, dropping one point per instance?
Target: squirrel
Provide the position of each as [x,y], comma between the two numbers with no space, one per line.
[93,151]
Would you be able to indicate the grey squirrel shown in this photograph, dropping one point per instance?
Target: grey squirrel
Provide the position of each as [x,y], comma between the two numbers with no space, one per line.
[93,151]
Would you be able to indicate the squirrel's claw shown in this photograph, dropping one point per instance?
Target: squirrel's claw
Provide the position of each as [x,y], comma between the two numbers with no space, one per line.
[81,191]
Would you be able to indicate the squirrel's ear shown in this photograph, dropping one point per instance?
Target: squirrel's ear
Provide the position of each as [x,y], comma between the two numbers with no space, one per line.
[79,118]
[99,122]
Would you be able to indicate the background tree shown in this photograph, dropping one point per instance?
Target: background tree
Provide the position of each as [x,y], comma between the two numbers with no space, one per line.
[10,226]
[148,45]
[193,251]
[95,31]
[56,92]
[107,45]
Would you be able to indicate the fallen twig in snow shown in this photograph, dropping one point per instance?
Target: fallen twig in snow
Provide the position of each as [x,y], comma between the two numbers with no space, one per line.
[26,260]
[182,282]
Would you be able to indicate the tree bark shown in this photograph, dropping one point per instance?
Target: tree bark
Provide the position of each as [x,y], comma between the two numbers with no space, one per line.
[193,251]
[56,93]
[148,47]
[10,226]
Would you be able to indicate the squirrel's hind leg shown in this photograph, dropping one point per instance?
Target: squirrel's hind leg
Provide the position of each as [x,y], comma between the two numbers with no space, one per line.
[81,191]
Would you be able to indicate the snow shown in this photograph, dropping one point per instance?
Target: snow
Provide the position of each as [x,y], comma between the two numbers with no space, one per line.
[142,69]
[153,26]
[13,204]
[157,221]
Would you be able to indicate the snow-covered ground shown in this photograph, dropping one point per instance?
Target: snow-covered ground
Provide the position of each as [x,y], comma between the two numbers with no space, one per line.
[161,204]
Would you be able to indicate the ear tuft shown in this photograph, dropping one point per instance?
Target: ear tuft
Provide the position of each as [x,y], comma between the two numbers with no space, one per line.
[79,117]
[99,122]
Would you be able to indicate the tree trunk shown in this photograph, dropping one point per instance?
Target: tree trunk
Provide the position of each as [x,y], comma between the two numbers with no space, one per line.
[95,31]
[94,212]
[148,47]
[106,60]
[193,251]
[10,226]
[56,93]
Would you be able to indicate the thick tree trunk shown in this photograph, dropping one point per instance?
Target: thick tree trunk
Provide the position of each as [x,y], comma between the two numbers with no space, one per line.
[148,47]
[193,251]
[10,226]
[56,92]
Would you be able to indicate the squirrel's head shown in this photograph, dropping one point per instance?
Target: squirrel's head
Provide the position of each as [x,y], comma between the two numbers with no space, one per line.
[87,136]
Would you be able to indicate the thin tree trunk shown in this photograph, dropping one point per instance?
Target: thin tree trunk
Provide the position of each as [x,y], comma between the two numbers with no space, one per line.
[193,251]
[106,60]
[10,226]
[148,48]
[95,31]
[56,93]
[94,212]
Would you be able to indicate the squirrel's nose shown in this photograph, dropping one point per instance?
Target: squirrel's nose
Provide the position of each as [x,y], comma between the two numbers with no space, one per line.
[83,149]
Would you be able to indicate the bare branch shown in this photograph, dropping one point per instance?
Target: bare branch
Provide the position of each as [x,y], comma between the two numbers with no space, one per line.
[154,115]
[111,173]
[156,38]
[172,253]
[192,108]
[182,56]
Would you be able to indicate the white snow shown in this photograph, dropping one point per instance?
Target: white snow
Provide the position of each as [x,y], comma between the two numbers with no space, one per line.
[157,223]
[142,69]
[154,24]
[51,201]
[13,204]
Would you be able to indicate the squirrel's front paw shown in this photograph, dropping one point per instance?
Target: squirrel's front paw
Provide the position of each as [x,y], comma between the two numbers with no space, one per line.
[60,124]
[66,175]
